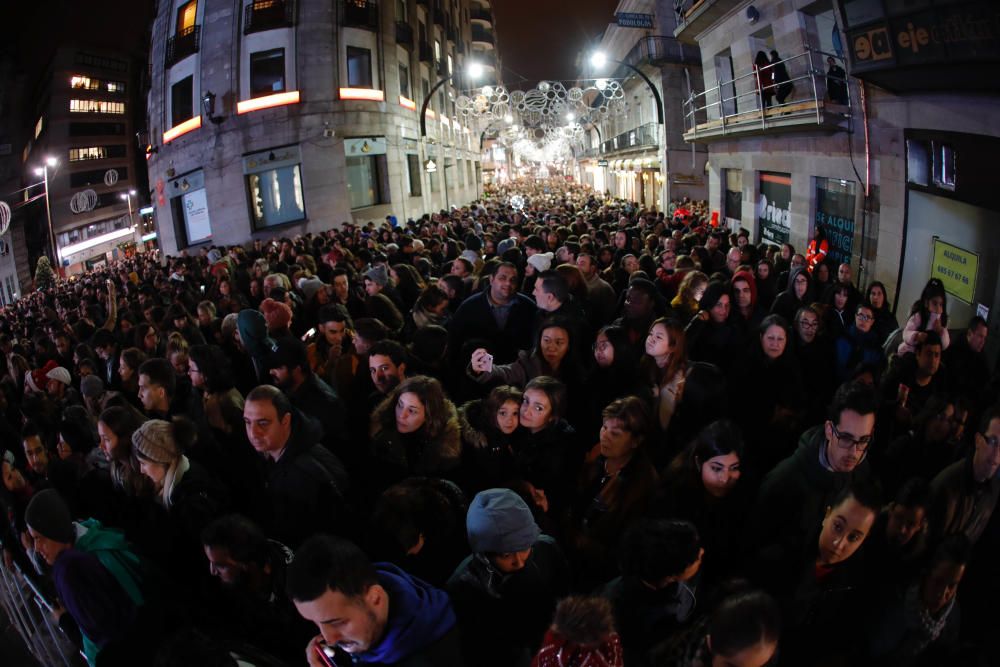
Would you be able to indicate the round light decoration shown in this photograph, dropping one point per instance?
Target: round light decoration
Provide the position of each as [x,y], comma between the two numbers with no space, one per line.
[4,217]
[517,202]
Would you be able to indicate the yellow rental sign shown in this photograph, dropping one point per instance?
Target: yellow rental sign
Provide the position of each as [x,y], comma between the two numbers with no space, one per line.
[956,268]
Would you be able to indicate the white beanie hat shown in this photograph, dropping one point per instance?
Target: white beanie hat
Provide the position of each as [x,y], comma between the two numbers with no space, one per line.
[542,261]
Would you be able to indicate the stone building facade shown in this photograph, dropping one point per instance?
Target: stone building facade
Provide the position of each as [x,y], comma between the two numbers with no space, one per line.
[888,154]
[277,117]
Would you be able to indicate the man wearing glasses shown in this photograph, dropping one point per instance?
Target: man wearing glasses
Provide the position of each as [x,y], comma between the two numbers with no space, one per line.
[964,494]
[794,496]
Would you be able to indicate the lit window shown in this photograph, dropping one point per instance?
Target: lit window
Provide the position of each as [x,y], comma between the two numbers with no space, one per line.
[39,126]
[96,106]
[186,16]
[89,153]
[276,196]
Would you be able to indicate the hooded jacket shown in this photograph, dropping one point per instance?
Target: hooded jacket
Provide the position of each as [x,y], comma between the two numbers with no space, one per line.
[505,615]
[787,304]
[401,455]
[487,454]
[252,328]
[421,629]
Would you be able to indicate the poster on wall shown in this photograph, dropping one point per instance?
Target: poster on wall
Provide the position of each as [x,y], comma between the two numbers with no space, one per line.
[196,216]
[957,268]
[773,207]
[835,215]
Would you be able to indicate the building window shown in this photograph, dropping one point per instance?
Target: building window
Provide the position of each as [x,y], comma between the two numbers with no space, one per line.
[401,11]
[359,67]
[944,165]
[450,63]
[182,101]
[267,72]
[413,168]
[276,196]
[404,80]
[96,106]
[83,82]
[100,62]
[96,153]
[437,52]
[461,171]
[39,126]
[364,180]
[433,177]
[186,16]
[426,87]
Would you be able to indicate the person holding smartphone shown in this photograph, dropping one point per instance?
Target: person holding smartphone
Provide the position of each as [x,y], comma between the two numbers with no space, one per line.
[369,613]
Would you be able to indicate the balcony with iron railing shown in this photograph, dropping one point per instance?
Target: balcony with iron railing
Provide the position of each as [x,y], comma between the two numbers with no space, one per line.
[404,34]
[752,104]
[694,16]
[481,14]
[263,15]
[183,44]
[359,14]
[643,136]
[482,35]
[660,49]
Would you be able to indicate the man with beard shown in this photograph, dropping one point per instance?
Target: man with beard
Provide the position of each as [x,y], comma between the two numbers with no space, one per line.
[795,494]
[289,368]
[253,606]
[387,365]
[498,319]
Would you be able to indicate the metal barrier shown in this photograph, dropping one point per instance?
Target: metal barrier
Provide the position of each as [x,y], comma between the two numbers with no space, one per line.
[31,614]
[740,101]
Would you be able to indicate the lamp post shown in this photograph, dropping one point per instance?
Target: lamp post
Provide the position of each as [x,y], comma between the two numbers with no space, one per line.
[43,171]
[127,196]
[473,72]
[598,60]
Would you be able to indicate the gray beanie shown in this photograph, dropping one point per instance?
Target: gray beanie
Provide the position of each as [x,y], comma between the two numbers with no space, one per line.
[91,386]
[154,441]
[378,275]
[48,515]
[310,286]
[500,522]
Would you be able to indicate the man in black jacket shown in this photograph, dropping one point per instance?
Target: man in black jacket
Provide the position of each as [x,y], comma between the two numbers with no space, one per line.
[499,318]
[794,496]
[289,367]
[306,485]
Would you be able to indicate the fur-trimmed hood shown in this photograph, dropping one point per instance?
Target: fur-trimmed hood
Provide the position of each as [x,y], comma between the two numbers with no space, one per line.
[419,453]
[472,423]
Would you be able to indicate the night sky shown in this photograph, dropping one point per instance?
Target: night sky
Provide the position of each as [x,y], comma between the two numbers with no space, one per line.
[41,25]
[541,39]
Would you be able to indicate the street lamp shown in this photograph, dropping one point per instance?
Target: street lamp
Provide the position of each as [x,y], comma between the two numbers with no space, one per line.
[473,72]
[43,171]
[127,196]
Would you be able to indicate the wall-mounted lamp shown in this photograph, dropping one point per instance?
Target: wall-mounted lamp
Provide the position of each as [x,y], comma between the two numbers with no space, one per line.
[208,105]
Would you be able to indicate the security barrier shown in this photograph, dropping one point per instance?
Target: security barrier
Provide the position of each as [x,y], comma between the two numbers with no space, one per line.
[31,613]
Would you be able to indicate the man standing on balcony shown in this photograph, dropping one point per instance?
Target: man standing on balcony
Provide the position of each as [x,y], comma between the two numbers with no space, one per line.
[836,82]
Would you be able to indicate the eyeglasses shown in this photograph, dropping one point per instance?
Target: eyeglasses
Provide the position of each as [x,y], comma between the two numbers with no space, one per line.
[809,324]
[847,440]
[864,318]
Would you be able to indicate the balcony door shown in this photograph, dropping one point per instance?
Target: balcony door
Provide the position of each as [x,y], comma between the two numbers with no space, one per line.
[186,16]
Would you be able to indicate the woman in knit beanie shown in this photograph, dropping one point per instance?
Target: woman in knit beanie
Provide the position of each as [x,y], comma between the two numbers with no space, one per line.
[160,457]
[582,635]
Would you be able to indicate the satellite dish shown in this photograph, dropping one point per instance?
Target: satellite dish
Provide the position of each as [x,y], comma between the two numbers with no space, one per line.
[752,14]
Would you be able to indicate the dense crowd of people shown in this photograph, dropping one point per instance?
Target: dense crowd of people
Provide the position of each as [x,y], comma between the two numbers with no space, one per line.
[553,429]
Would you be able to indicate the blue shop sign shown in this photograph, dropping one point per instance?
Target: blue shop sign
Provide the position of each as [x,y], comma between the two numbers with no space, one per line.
[629,20]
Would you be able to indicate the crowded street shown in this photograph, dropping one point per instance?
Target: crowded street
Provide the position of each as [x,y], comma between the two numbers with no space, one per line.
[499,333]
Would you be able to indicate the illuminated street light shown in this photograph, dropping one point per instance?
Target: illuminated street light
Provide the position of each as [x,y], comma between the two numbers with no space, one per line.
[473,71]
[598,59]
[43,171]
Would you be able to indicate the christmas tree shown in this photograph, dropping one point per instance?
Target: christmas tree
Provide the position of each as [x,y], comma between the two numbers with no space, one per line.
[44,277]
